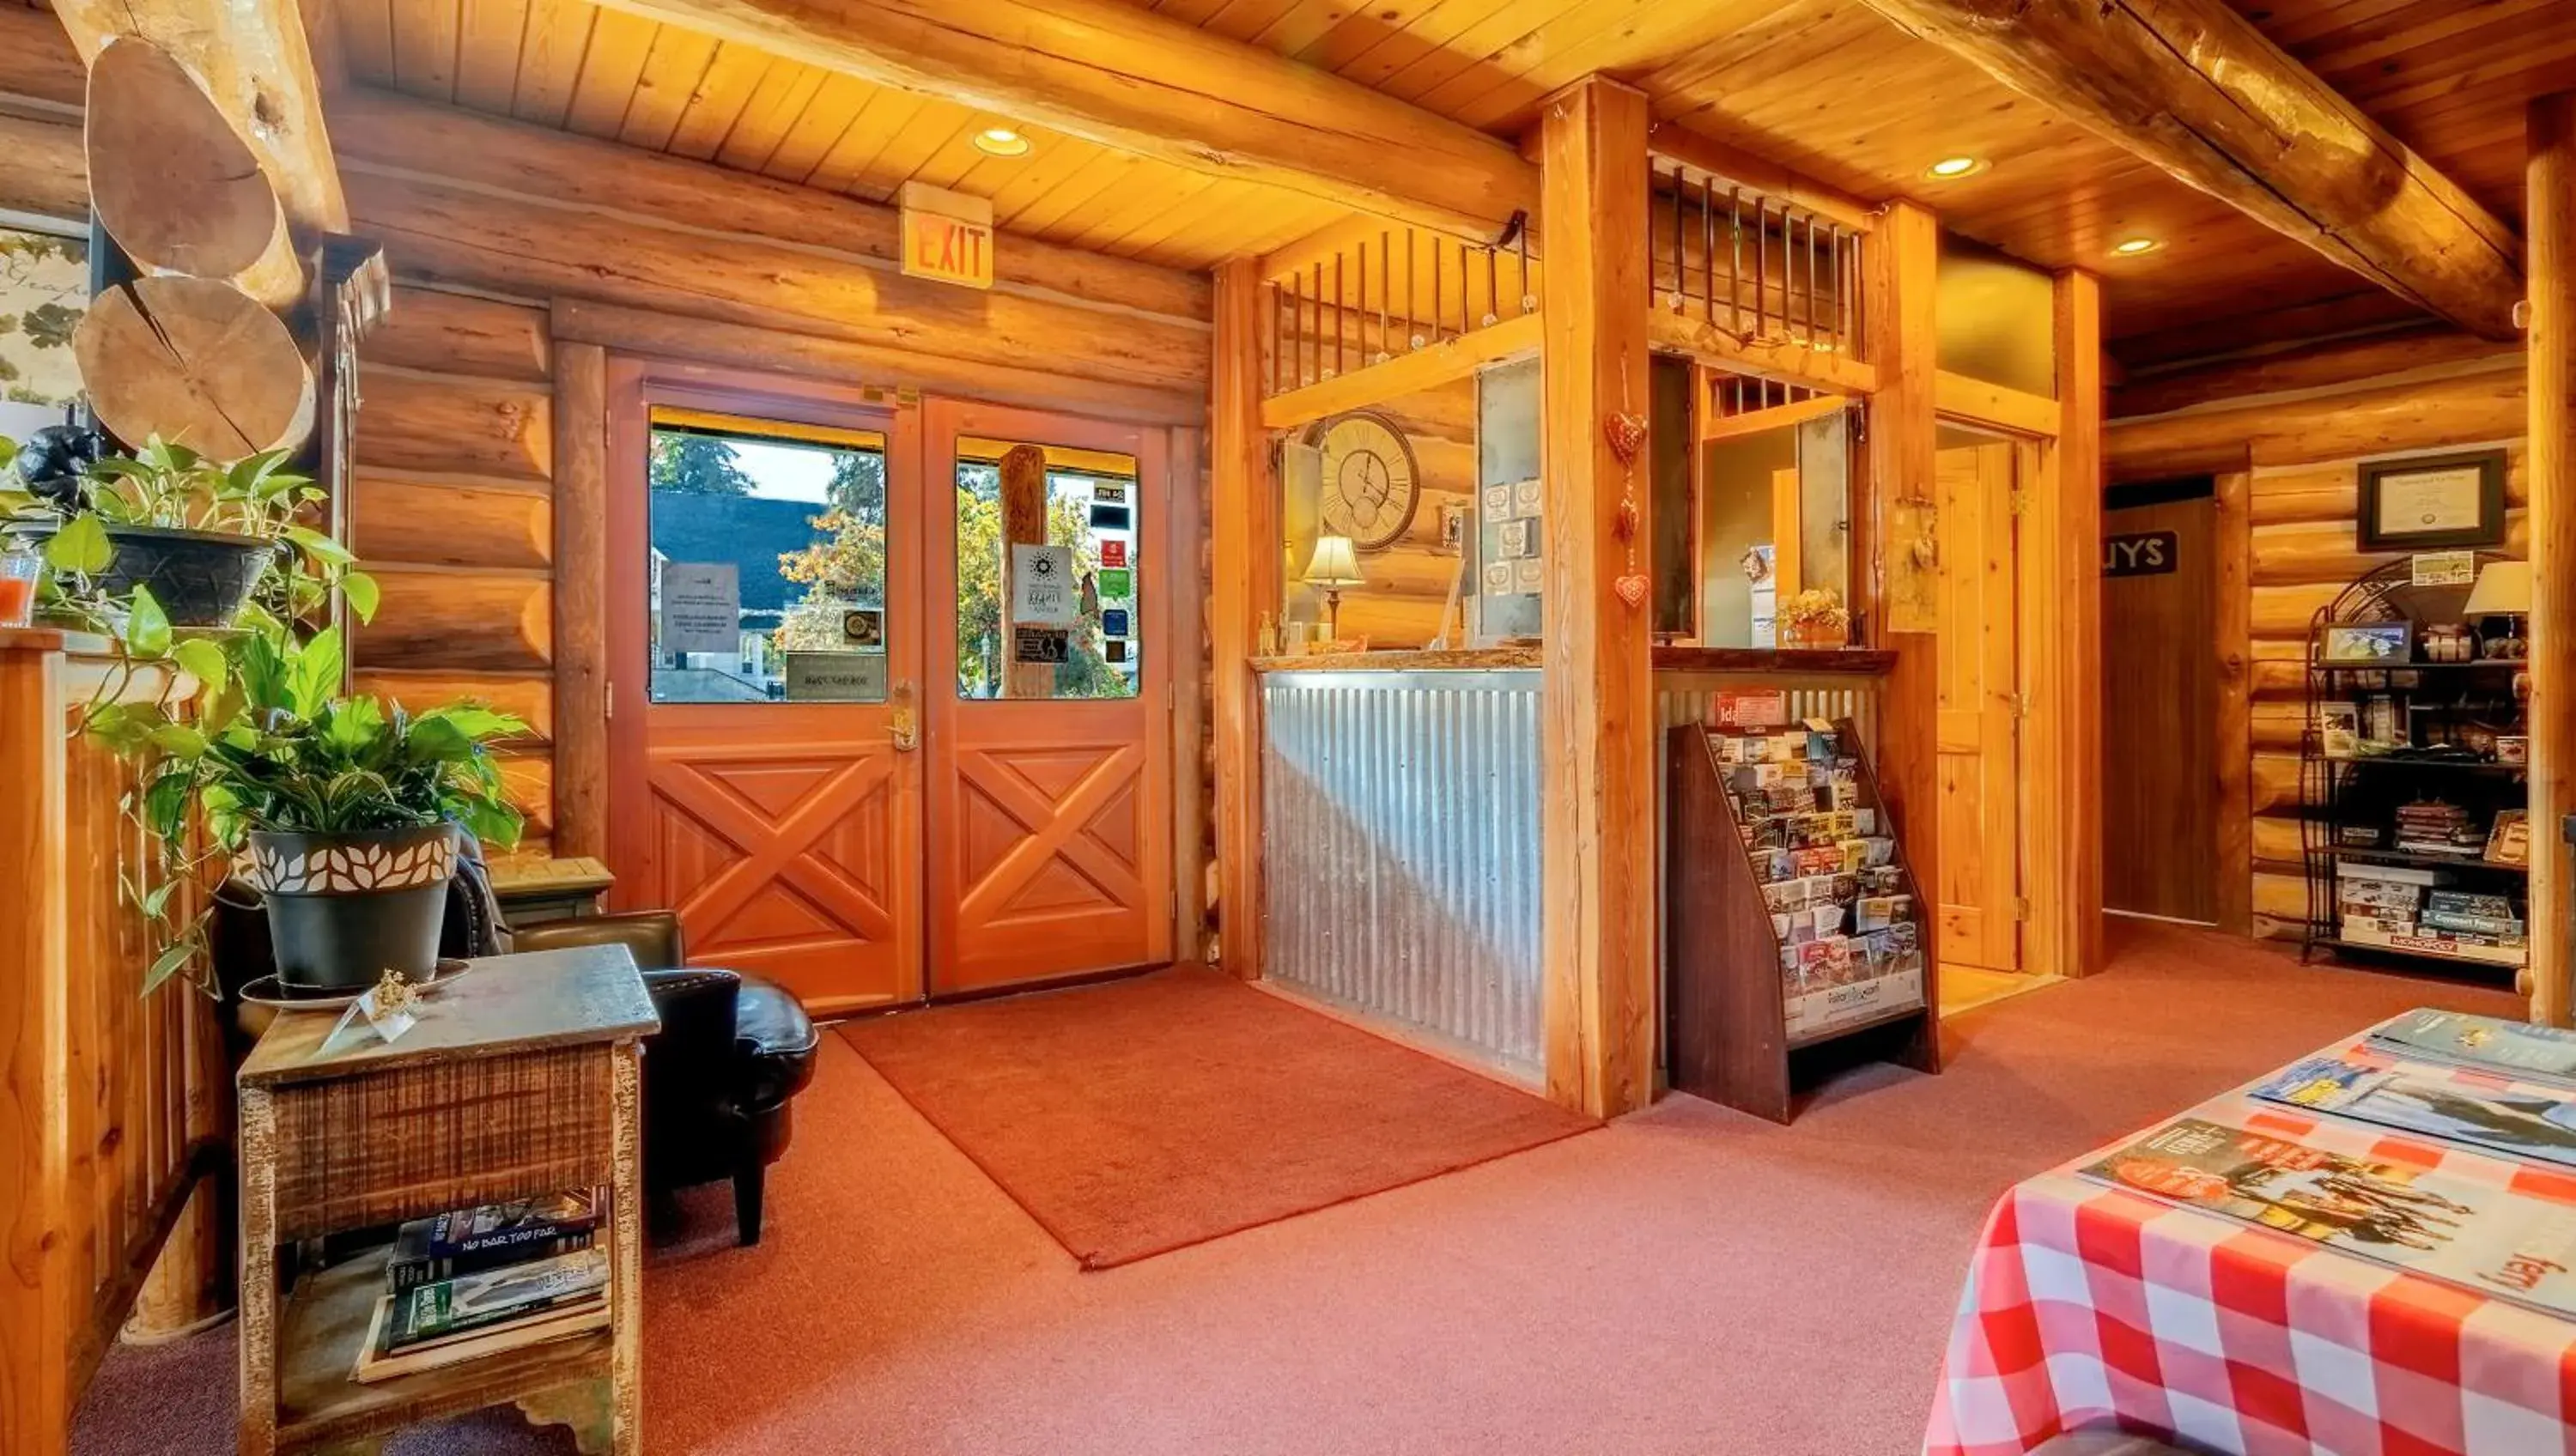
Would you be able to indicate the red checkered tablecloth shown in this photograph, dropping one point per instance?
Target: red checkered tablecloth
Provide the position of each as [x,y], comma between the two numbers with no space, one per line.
[2090,1305]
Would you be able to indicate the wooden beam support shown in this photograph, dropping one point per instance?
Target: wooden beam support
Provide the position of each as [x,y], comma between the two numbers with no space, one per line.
[2551,210]
[395,140]
[1442,363]
[2195,88]
[2061,549]
[1596,711]
[254,60]
[1125,77]
[1902,281]
[1244,570]
[2425,351]
[581,600]
[1777,417]
[2486,405]
[1971,401]
[43,1272]
[1783,360]
[2234,614]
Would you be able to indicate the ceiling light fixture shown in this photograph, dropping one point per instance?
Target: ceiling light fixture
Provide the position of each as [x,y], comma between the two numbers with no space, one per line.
[2132,247]
[1001,141]
[1951,169]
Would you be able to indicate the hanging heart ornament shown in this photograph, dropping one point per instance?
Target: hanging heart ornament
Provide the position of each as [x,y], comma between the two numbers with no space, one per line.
[1625,523]
[1627,435]
[1631,589]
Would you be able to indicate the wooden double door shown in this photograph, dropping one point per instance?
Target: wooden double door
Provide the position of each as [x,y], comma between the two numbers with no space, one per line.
[835,752]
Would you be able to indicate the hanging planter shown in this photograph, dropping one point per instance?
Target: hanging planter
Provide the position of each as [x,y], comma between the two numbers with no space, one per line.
[200,578]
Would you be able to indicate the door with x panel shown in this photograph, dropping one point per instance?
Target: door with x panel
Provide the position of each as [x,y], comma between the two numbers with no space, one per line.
[1048,766]
[765,638]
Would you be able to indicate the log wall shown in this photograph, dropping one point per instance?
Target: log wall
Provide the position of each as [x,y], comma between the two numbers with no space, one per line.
[1408,581]
[519,254]
[2294,464]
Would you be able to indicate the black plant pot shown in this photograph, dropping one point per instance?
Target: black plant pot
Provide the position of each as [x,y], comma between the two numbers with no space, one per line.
[343,909]
[200,578]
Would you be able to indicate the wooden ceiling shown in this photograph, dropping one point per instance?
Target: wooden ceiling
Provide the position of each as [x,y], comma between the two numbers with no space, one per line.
[1824,86]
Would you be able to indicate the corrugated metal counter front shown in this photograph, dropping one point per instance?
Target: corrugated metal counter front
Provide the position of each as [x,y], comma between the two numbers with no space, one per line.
[1400,855]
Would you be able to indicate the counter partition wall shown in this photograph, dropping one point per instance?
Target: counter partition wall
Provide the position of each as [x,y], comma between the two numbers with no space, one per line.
[1400,813]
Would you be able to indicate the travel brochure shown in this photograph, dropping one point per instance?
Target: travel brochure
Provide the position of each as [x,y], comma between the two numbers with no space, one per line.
[2518,1119]
[2482,1236]
[2485,1043]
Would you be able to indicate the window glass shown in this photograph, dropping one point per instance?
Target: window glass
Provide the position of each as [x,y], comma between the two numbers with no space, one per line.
[1049,597]
[768,566]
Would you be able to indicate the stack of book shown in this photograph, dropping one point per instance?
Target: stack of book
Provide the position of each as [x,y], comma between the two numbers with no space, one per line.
[2433,827]
[480,1281]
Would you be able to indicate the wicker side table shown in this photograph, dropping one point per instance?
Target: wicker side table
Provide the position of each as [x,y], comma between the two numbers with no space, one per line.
[521,1079]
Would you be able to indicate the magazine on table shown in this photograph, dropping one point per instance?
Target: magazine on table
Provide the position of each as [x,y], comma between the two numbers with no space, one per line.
[2486,1238]
[2518,1119]
[2485,1043]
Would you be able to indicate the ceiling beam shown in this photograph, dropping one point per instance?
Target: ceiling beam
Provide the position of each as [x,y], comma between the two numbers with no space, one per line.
[1128,78]
[254,61]
[2194,88]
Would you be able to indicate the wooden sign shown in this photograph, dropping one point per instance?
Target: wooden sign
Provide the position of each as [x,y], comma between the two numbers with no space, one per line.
[947,236]
[2140,553]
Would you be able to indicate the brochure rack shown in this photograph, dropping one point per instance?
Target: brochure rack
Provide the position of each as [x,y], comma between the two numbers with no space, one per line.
[1737,1024]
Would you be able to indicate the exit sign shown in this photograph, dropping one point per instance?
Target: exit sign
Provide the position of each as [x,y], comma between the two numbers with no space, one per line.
[947,236]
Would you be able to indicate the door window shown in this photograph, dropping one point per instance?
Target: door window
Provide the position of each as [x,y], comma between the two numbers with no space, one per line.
[768,561]
[1048,586]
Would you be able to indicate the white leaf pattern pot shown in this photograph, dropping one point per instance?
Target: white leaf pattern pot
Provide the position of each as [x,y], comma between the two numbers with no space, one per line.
[345,908]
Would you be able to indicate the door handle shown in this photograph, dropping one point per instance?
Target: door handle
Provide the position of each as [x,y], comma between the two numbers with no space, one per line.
[907,722]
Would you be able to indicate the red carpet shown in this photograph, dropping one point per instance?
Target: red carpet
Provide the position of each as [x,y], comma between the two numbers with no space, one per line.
[1686,1282]
[1142,1116]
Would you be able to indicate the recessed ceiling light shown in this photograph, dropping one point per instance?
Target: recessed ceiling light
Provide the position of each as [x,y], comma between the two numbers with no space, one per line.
[1001,141]
[2131,247]
[1951,169]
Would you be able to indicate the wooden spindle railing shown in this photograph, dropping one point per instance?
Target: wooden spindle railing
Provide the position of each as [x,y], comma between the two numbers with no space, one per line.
[112,1103]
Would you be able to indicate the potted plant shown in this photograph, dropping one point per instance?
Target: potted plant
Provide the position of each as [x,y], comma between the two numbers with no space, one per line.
[198,535]
[341,811]
[1815,618]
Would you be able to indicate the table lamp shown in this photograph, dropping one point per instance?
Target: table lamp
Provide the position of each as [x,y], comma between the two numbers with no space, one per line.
[1335,565]
[2503,590]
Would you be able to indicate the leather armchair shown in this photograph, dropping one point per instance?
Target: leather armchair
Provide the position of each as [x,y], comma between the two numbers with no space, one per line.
[721,1077]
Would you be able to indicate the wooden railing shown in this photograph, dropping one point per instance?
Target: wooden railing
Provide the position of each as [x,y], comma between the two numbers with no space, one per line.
[112,1103]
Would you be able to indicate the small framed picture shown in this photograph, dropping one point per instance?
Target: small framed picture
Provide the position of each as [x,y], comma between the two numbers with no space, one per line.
[2339,730]
[2431,501]
[2369,642]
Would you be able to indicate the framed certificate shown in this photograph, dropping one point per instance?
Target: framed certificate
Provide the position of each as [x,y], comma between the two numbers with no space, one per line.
[2432,501]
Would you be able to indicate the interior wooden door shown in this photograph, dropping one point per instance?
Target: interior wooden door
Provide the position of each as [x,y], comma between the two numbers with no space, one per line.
[1980,859]
[1049,782]
[2160,709]
[772,799]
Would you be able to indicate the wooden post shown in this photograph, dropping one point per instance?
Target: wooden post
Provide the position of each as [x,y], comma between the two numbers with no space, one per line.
[1243,549]
[1904,269]
[36,1299]
[1185,548]
[1596,715]
[2234,616]
[1024,523]
[2063,801]
[581,600]
[2550,257]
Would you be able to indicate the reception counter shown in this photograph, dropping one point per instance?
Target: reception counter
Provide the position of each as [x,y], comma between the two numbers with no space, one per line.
[1400,811]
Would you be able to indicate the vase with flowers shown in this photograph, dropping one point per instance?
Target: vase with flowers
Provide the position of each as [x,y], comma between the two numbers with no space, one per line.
[1815,617]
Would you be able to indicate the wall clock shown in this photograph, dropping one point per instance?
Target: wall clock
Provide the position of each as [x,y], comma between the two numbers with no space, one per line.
[1371,484]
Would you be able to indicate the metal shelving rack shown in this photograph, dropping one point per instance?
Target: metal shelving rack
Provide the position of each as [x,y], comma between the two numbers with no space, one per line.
[2430,699]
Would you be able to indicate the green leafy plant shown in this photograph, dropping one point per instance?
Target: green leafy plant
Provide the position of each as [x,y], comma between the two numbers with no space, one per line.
[273,745]
[173,487]
[244,727]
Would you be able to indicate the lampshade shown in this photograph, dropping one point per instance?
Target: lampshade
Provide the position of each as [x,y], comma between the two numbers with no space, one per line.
[2503,590]
[1335,564]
